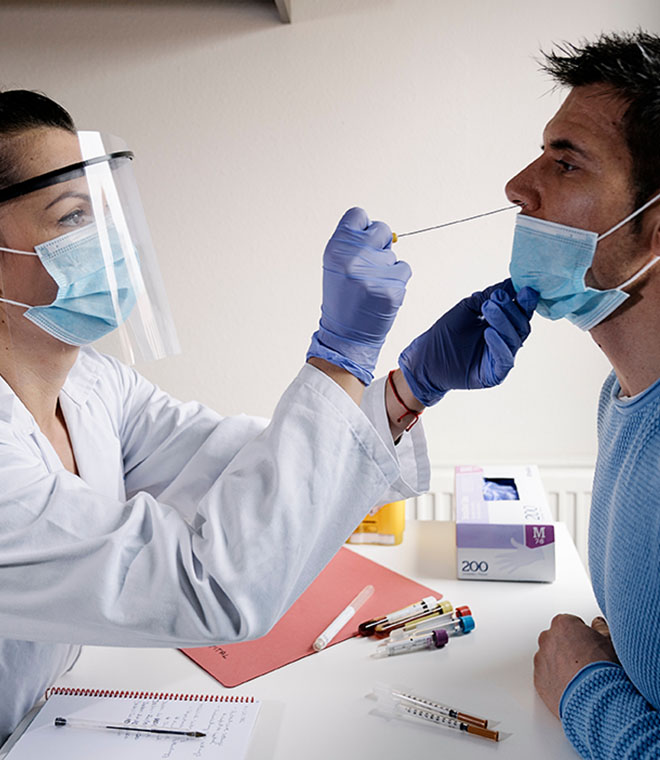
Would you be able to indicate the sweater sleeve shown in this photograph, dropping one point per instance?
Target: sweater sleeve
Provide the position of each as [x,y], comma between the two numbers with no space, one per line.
[606,718]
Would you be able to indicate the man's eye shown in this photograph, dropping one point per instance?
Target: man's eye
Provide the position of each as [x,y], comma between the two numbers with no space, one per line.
[73,218]
[565,166]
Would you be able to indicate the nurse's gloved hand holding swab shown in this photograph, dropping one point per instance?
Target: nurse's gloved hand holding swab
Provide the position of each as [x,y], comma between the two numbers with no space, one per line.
[492,325]
[363,288]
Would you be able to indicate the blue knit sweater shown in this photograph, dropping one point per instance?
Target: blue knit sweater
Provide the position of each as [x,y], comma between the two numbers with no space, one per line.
[609,711]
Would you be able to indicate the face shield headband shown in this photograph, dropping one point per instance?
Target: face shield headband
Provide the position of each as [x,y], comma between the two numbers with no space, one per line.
[57,176]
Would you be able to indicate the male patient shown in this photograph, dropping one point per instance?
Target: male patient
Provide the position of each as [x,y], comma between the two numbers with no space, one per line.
[600,162]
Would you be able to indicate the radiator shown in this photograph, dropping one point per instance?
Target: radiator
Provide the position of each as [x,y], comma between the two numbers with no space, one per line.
[568,489]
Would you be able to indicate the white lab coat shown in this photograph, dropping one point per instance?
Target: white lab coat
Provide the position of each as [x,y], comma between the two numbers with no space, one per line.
[184,528]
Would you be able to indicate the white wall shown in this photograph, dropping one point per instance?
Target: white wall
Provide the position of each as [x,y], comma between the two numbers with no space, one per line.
[253,137]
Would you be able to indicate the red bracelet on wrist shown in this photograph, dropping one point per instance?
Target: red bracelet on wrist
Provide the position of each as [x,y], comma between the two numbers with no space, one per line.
[402,402]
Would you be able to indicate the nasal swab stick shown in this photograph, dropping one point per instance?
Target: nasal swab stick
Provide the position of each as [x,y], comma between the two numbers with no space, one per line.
[396,237]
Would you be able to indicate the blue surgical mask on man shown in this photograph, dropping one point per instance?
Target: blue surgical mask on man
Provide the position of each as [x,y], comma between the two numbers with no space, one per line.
[87,305]
[553,259]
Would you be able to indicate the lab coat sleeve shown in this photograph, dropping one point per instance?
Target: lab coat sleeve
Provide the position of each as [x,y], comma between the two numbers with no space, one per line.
[606,718]
[410,452]
[270,513]
[174,451]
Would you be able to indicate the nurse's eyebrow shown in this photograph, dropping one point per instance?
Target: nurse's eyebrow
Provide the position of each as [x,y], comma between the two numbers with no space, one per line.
[563,143]
[70,194]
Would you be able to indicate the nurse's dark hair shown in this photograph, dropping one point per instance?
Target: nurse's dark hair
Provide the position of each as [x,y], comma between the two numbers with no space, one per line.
[629,62]
[20,111]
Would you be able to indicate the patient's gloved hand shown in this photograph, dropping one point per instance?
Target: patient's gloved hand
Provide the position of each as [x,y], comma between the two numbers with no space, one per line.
[472,346]
[363,288]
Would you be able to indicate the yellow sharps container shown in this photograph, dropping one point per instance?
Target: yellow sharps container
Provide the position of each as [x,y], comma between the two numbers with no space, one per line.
[385,526]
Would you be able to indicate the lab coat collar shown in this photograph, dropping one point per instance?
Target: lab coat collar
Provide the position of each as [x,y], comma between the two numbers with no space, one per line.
[11,409]
[83,376]
[78,385]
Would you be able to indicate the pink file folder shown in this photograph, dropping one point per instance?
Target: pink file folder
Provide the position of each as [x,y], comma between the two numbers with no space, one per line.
[292,637]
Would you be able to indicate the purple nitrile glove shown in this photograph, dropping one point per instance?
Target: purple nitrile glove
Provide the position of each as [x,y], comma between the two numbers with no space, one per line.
[472,346]
[363,288]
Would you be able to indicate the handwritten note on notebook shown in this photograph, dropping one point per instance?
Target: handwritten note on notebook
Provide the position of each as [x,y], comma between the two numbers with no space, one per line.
[226,721]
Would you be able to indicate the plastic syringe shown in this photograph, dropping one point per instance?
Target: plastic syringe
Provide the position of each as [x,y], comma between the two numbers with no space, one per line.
[406,708]
[388,694]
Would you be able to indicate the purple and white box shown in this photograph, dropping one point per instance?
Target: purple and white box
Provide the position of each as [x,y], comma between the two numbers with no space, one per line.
[504,527]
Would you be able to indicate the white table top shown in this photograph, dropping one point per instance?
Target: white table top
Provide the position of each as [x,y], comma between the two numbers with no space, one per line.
[318,707]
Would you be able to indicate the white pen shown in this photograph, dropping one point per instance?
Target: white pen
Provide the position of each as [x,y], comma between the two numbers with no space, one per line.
[340,621]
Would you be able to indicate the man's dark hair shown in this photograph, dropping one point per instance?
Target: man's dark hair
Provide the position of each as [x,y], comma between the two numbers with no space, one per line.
[22,110]
[630,64]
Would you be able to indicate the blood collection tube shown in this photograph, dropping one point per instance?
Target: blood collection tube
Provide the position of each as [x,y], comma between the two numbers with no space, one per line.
[430,623]
[432,640]
[384,629]
[453,627]
[423,607]
[426,639]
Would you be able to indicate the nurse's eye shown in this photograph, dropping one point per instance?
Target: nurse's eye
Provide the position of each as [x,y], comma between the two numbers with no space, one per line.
[565,166]
[75,218]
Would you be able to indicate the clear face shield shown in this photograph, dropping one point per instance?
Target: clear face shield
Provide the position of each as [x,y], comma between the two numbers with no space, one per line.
[76,257]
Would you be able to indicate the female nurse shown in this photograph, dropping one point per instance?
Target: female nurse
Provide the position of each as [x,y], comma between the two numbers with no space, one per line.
[128,518]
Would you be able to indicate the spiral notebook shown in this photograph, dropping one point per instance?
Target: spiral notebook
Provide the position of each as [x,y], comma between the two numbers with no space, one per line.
[226,721]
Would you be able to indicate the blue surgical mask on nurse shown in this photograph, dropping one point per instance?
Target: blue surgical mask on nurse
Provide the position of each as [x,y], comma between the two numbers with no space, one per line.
[92,298]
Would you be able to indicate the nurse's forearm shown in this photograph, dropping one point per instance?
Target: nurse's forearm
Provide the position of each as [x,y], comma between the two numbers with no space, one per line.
[342,377]
[399,417]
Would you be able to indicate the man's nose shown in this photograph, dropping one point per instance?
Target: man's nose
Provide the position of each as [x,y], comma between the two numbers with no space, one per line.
[521,189]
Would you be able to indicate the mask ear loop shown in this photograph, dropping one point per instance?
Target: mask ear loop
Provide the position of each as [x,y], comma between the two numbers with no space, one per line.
[642,271]
[15,303]
[23,253]
[628,218]
[618,226]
